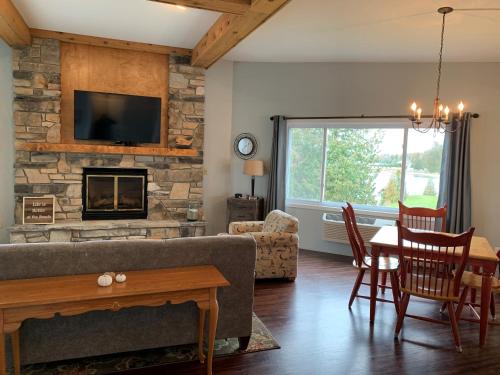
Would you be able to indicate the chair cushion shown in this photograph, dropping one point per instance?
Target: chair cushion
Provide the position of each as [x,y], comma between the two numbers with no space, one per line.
[438,288]
[384,263]
[473,280]
[279,221]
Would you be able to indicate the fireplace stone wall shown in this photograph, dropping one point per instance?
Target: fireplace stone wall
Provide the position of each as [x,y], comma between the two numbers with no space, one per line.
[106,230]
[173,182]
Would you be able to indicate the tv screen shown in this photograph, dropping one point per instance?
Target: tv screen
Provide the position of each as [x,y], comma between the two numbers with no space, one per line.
[116,117]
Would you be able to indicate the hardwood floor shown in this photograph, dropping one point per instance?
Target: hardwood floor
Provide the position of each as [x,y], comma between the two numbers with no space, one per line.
[319,335]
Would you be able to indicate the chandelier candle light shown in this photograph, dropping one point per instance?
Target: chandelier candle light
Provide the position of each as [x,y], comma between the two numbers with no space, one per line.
[441,114]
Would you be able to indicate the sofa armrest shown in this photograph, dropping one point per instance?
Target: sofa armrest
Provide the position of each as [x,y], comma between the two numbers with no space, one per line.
[275,239]
[239,227]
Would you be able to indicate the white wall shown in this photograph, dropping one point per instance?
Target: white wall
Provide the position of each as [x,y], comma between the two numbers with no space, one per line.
[6,143]
[311,232]
[322,89]
[217,148]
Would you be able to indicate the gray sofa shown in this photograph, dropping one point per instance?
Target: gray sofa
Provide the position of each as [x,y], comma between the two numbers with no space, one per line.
[105,332]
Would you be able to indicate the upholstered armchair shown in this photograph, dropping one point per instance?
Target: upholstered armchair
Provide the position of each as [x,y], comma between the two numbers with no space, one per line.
[277,244]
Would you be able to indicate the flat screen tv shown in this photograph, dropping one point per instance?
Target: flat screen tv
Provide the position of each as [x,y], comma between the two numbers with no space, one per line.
[127,119]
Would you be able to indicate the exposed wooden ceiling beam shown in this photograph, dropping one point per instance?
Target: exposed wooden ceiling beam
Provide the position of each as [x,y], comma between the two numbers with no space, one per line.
[231,29]
[224,6]
[13,29]
[111,43]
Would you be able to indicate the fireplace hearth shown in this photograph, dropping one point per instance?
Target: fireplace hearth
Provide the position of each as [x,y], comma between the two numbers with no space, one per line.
[114,193]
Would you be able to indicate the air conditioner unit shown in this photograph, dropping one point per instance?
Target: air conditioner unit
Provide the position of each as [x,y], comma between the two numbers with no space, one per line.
[368,224]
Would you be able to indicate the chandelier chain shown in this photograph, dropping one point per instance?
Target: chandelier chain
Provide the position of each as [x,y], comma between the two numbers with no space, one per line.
[440,58]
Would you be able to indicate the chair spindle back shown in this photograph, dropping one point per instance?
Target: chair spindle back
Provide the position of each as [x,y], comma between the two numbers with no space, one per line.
[423,218]
[428,259]
[355,238]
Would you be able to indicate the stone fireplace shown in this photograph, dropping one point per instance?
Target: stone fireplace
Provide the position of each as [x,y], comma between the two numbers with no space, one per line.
[114,193]
[167,184]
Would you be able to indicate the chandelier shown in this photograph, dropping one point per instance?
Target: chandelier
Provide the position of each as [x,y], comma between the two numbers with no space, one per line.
[441,116]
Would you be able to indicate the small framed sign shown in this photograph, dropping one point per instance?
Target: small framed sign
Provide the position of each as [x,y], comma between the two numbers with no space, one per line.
[39,210]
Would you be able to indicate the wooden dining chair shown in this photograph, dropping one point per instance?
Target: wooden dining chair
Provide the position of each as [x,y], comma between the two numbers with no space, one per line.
[472,281]
[420,218]
[423,218]
[362,260]
[421,255]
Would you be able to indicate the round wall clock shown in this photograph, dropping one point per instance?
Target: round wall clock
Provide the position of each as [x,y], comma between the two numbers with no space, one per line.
[245,146]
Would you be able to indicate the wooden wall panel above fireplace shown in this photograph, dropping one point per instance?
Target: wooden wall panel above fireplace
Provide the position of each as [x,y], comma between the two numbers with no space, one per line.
[118,71]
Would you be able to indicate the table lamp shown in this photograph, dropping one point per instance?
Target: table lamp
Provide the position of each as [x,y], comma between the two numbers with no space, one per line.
[253,168]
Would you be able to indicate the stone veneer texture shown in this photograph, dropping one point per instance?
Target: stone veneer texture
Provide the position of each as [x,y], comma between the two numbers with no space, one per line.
[106,230]
[173,182]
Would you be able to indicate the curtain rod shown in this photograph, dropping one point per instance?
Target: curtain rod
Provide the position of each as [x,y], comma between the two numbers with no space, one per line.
[474,115]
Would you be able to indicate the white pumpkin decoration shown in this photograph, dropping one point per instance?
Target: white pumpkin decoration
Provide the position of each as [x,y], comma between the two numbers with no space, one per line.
[120,278]
[104,280]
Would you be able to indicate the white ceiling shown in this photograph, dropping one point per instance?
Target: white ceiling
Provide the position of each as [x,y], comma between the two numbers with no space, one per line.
[133,20]
[374,30]
[303,31]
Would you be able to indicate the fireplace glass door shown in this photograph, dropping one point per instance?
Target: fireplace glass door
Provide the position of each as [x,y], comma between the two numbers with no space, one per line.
[114,193]
[129,192]
[100,193]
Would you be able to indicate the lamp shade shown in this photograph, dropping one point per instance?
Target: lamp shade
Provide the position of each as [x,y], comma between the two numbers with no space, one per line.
[253,168]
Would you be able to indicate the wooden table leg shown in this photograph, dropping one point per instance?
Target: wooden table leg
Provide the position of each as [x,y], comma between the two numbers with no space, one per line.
[476,270]
[16,353]
[212,328]
[202,310]
[485,308]
[383,280]
[373,283]
[2,346]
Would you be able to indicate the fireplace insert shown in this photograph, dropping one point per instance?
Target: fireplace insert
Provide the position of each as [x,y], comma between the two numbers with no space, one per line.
[114,193]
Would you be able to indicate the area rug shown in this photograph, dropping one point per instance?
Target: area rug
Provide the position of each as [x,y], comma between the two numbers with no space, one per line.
[261,340]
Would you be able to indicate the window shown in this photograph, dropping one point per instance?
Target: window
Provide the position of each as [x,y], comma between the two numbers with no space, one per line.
[367,163]
[423,167]
[305,161]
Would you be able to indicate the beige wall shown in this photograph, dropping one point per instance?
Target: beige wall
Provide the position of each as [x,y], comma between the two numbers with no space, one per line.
[322,89]
[6,143]
[217,150]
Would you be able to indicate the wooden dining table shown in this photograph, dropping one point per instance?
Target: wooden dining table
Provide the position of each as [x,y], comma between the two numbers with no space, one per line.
[482,259]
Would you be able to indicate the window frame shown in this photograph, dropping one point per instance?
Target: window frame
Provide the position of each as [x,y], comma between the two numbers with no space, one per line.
[368,123]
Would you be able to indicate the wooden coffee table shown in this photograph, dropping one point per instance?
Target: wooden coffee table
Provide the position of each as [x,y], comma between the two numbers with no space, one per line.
[42,298]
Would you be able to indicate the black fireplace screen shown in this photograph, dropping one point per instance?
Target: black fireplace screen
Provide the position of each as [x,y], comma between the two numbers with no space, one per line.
[114,193]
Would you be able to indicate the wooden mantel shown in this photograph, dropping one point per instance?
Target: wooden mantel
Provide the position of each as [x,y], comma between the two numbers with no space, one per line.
[104,149]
